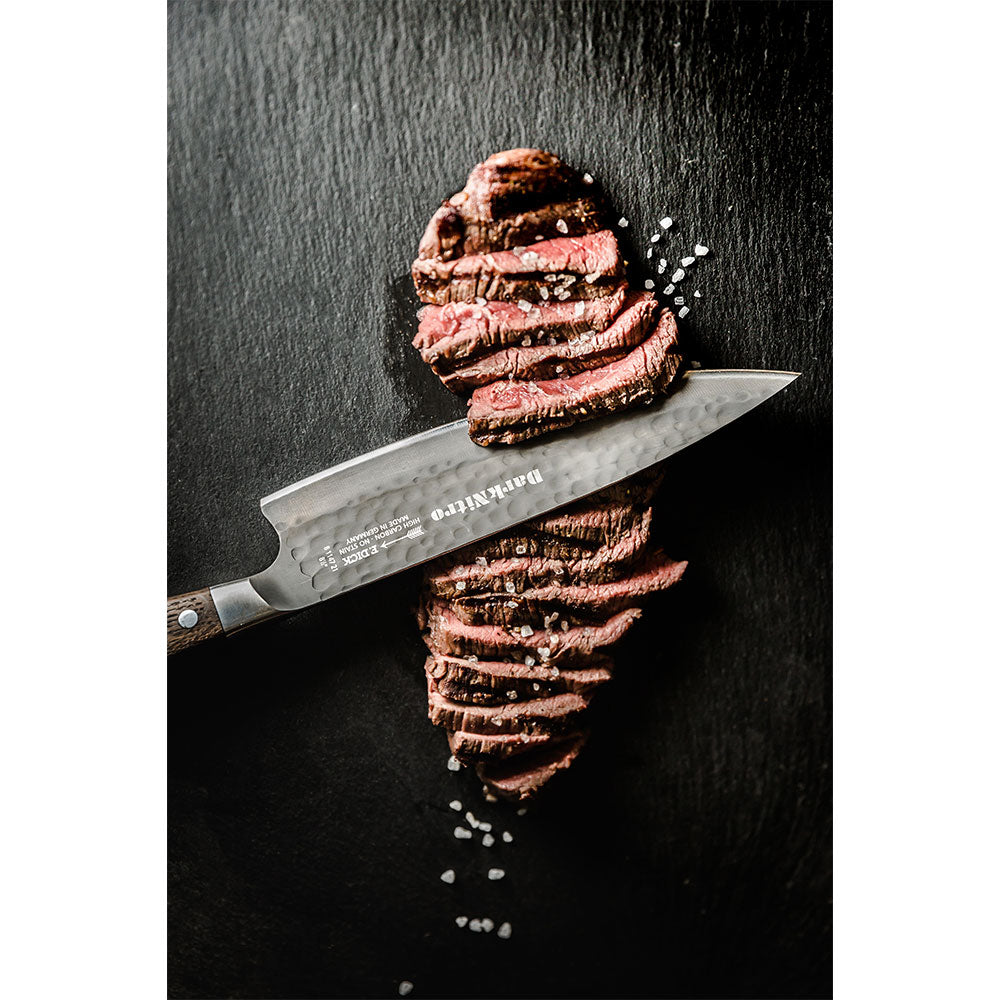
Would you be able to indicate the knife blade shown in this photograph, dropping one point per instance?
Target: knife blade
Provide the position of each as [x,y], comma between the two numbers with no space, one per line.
[425,496]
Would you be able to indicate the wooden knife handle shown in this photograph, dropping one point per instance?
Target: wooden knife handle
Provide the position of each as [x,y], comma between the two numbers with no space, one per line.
[191,618]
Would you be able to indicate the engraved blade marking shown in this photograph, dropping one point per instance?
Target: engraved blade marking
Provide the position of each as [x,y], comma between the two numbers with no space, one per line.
[423,497]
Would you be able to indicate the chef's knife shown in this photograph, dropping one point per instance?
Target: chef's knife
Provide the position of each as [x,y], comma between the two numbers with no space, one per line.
[420,498]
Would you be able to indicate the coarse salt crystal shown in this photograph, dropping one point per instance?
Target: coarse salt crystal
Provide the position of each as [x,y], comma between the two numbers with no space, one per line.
[668,290]
[526,630]
[578,309]
[404,987]
[559,368]
[510,604]
[497,720]
[623,222]
[505,930]
[522,812]
[649,284]
[697,295]
[488,795]
[475,925]
[453,764]
[510,588]
[661,267]
[561,226]
[524,305]
[649,253]
[530,257]
[666,222]
[655,238]
[564,626]
[487,924]
[587,179]
[520,549]
[538,238]
[471,820]
[543,291]
[462,834]
[456,805]
[461,921]
[682,312]
[529,661]
[699,250]
[486,827]
[473,659]
[687,261]
[512,695]
[537,687]
[551,277]
[507,837]
[480,301]
[481,560]
[526,342]
[460,585]
[562,295]
[495,874]
[448,876]
[518,251]
[592,277]
[487,839]
[679,301]
[678,275]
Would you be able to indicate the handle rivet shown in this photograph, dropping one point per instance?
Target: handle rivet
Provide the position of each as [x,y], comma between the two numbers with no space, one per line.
[188,618]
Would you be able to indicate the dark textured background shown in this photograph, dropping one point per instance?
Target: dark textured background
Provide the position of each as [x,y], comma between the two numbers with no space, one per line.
[687,853]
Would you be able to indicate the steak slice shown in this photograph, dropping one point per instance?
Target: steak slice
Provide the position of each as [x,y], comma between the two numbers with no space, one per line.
[586,264]
[451,334]
[508,412]
[541,715]
[582,352]
[453,675]
[468,747]
[454,576]
[447,633]
[452,233]
[573,604]
[519,778]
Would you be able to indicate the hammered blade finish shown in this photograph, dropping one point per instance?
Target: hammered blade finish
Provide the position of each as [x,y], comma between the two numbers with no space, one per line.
[435,492]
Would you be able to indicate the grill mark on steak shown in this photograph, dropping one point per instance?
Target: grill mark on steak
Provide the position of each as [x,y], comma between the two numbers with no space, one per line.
[519,778]
[447,633]
[510,274]
[454,576]
[453,674]
[451,334]
[588,350]
[452,233]
[655,573]
[542,715]
[515,411]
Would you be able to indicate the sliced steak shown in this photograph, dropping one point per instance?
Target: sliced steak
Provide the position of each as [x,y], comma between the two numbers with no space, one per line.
[499,679]
[508,412]
[583,352]
[585,267]
[469,747]
[455,577]
[450,335]
[451,233]
[556,604]
[542,715]
[447,633]
[519,778]
[525,542]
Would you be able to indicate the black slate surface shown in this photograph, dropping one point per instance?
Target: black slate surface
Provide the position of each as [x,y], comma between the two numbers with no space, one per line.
[687,853]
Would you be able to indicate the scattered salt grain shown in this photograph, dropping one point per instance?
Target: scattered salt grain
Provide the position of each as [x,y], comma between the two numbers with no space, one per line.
[462,834]
[529,661]
[460,585]
[510,588]
[448,876]
[522,812]
[497,720]
[461,921]
[697,295]
[504,931]
[655,238]
[524,305]
[661,267]
[666,222]
[591,277]
[543,291]
[561,226]
[521,549]
[687,261]
[538,238]
[480,560]
[495,874]
[486,827]
[473,659]
[649,284]
[487,924]
[487,839]
[649,253]
[543,652]
[453,764]
[510,604]
[587,179]
[537,687]
[562,294]
[475,925]
[578,309]
[526,630]
[512,695]
[507,837]
[682,312]
[404,987]
[471,820]
[480,301]
[699,250]
[679,300]
[668,290]
[564,626]
[559,368]
[456,805]
[678,275]
[488,795]
[623,222]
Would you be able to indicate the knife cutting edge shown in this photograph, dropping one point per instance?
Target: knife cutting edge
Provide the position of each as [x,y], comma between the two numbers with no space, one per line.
[407,503]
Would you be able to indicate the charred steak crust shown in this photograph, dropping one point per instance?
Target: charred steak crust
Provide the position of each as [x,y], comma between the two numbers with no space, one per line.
[509,412]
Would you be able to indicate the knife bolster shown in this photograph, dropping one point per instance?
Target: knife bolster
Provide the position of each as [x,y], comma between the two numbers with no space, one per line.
[239,605]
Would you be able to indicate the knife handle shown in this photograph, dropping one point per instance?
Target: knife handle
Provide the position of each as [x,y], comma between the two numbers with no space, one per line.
[191,618]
